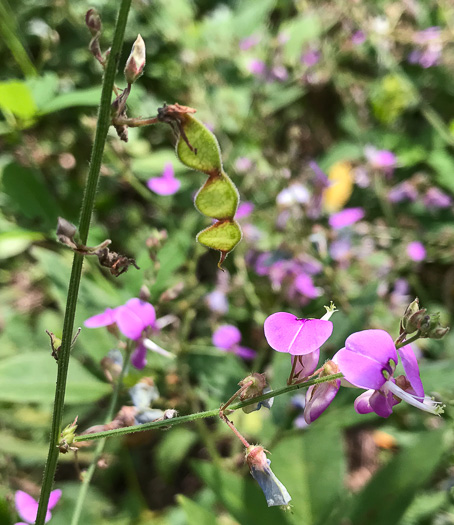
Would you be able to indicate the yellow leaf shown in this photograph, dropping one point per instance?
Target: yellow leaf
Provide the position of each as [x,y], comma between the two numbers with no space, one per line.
[341,186]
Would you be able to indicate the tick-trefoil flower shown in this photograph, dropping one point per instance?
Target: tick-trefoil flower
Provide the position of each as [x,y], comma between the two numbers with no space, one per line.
[27,507]
[166,184]
[358,38]
[311,57]
[429,47]
[274,491]
[320,396]
[434,198]
[287,333]
[227,337]
[257,67]
[368,361]
[134,319]
[383,159]
[244,210]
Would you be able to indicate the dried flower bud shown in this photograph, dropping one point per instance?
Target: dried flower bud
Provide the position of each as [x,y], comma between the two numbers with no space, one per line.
[93,21]
[258,387]
[66,232]
[136,61]
[407,323]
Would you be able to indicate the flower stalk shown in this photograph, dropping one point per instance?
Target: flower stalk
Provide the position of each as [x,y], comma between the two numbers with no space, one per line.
[84,226]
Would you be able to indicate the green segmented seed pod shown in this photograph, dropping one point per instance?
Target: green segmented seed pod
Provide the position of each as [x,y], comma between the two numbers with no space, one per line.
[198,149]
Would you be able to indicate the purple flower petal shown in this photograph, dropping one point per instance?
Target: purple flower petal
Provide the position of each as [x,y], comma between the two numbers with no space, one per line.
[318,399]
[362,404]
[416,251]
[360,370]
[54,498]
[26,506]
[286,333]
[139,357]
[133,317]
[345,218]
[226,337]
[376,344]
[306,364]
[411,367]
[244,352]
[382,403]
[105,318]
[257,67]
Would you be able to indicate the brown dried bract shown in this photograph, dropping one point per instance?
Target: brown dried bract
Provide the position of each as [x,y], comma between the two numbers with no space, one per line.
[173,114]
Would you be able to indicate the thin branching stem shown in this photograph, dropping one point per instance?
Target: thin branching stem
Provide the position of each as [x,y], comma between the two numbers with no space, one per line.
[84,226]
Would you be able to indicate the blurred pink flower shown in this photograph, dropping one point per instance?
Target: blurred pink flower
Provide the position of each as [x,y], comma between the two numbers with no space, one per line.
[416,251]
[166,184]
[227,337]
[27,507]
[243,164]
[381,159]
[248,42]
[311,57]
[244,210]
[358,38]
[346,217]
[435,198]
[429,47]
[257,67]
[217,302]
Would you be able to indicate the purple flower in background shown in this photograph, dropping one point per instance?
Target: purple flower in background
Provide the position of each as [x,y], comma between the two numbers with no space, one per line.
[358,38]
[381,159]
[244,210]
[217,302]
[340,250]
[257,67]
[311,57]
[248,42]
[368,361]
[416,251]
[320,182]
[403,191]
[243,164]
[27,507]
[227,337]
[346,217]
[166,184]
[435,198]
[304,285]
[280,73]
[429,47]
[286,333]
[294,194]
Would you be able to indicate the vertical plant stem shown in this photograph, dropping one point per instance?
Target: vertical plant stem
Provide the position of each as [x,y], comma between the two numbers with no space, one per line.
[100,446]
[84,226]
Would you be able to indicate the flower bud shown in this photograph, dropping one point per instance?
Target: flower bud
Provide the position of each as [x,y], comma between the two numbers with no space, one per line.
[67,437]
[259,386]
[93,21]
[136,61]
[432,328]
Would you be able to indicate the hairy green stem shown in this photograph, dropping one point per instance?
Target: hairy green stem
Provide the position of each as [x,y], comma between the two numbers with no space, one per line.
[202,415]
[408,341]
[99,447]
[84,226]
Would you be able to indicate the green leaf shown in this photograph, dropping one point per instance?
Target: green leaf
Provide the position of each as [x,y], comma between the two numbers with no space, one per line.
[30,378]
[441,161]
[29,193]
[172,450]
[16,98]
[300,31]
[218,197]
[222,236]
[14,242]
[195,513]
[208,156]
[392,489]
[81,97]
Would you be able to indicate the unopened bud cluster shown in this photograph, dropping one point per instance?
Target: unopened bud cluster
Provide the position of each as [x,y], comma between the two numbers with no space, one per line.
[416,319]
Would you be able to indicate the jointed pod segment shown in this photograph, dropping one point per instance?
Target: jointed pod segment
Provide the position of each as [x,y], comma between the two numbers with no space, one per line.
[198,149]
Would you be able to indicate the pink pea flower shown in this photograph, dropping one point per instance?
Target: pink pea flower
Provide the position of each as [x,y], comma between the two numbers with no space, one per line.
[319,397]
[429,47]
[416,251]
[248,42]
[166,184]
[304,285]
[133,319]
[286,333]
[368,361]
[227,337]
[27,507]
[345,218]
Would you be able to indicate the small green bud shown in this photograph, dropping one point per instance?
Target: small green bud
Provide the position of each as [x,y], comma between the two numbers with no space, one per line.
[67,437]
[136,61]
[432,329]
